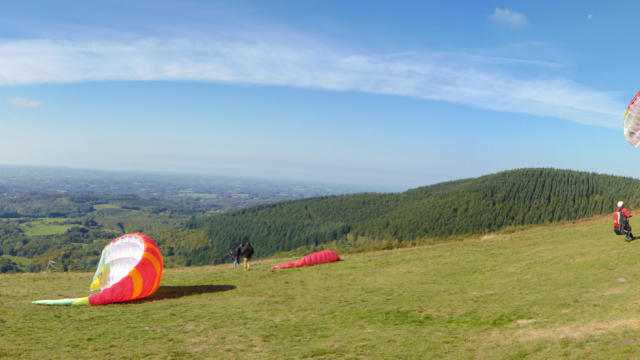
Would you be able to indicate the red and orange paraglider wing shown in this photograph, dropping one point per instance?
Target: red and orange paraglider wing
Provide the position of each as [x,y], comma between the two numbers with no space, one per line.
[140,281]
[320,257]
[130,268]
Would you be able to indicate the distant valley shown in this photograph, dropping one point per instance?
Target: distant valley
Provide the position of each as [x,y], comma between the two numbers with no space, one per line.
[48,215]
[68,215]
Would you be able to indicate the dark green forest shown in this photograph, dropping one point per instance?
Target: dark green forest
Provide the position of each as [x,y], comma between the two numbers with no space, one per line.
[437,212]
[71,229]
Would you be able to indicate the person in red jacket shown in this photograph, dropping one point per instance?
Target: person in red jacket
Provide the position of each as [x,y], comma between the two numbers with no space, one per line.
[621,222]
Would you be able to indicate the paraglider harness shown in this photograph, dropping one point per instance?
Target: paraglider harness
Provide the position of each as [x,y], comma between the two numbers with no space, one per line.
[621,224]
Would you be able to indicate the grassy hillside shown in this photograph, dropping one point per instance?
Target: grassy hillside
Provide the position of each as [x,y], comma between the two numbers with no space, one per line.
[566,290]
[463,207]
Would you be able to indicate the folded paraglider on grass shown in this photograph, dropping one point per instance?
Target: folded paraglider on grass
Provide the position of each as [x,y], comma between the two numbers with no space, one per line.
[130,268]
[320,257]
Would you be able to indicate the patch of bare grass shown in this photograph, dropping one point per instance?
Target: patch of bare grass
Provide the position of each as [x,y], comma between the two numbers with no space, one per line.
[578,331]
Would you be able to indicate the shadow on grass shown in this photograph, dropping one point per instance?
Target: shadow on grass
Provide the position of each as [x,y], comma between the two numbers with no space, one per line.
[174,292]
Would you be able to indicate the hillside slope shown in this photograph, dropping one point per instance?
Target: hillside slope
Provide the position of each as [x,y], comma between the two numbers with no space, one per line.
[565,290]
[470,206]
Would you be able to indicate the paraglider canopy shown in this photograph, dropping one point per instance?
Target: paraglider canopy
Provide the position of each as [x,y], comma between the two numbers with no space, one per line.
[320,257]
[631,125]
[130,268]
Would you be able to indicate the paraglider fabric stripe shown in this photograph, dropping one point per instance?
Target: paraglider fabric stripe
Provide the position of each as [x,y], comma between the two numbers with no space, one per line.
[156,267]
[137,283]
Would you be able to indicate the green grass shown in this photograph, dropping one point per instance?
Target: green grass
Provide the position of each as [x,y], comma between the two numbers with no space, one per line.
[560,291]
[99,207]
[46,226]
[23,262]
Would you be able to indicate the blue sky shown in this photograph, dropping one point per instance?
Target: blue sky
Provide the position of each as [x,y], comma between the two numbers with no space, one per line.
[390,95]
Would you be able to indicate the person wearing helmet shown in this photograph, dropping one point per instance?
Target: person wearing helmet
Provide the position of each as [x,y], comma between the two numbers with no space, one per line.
[621,222]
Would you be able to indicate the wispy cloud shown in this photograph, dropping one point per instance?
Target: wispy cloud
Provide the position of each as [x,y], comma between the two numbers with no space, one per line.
[470,79]
[23,103]
[509,17]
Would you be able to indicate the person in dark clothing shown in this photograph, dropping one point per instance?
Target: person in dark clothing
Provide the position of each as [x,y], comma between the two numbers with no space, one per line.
[235,255]
[621,224]
[247,252]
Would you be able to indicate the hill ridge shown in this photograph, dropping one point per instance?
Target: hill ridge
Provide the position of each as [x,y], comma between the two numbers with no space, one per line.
[527,196]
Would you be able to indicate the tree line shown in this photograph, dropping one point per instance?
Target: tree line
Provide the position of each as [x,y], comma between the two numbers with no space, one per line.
[456,208]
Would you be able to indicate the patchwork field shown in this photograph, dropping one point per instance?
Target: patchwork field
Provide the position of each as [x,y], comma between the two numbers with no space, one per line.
[46,226]
[557,291]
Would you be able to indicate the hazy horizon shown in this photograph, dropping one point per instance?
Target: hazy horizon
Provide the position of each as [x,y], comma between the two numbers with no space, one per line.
[376,94]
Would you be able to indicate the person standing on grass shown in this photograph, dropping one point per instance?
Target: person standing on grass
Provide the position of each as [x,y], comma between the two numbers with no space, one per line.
[247,252]
[621,224]
[235,255]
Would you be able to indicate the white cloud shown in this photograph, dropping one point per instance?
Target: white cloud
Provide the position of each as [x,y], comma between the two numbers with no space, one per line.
[509,17]
[589,17]
[22,102]
[470,79]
